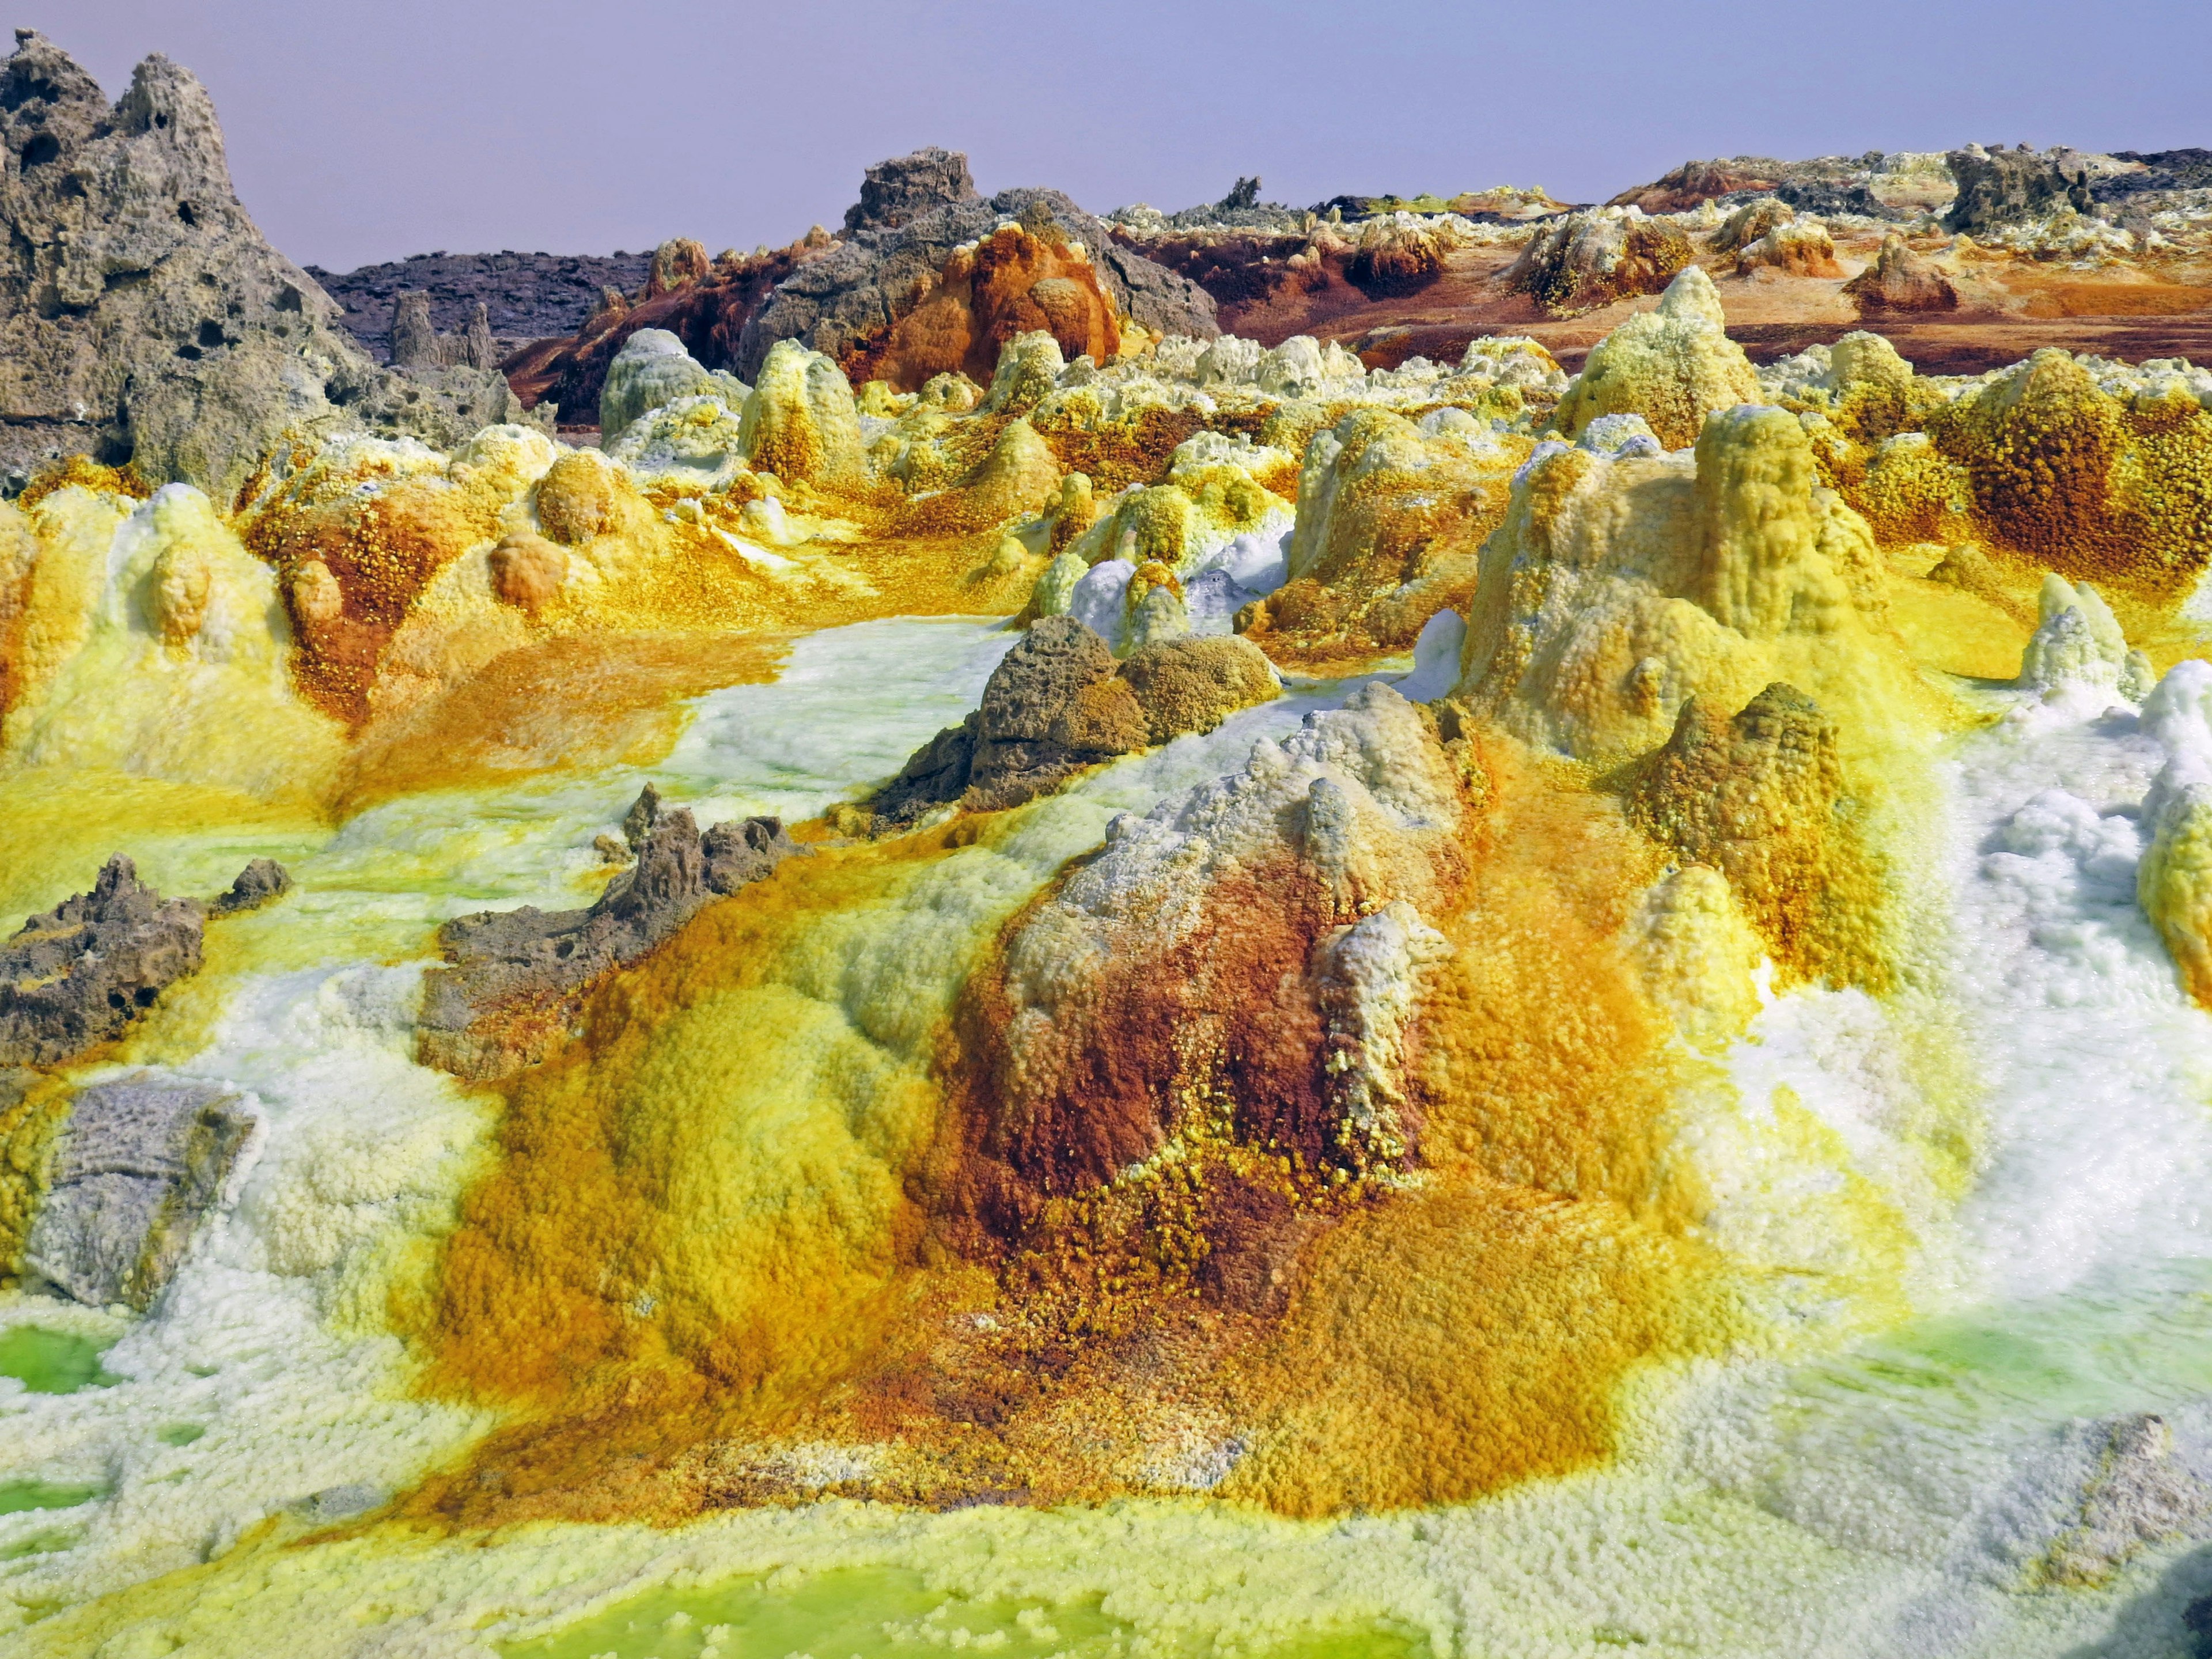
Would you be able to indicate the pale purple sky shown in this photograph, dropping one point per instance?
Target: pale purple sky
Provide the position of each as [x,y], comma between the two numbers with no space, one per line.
[373,129]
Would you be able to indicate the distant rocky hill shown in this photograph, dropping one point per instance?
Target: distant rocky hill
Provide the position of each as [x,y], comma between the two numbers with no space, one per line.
[530,296]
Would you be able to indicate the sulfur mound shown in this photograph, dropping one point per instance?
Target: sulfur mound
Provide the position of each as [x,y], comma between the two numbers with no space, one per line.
[1672,366]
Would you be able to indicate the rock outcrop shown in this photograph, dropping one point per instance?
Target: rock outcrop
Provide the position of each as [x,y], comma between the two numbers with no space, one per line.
[143,318]
[856,291]
[76,977]
[1901,280]
[264,881]
[526,296]
[1059,702]
[515,975]
[1591,259]
[897,191]
[2005,186]
[139,1167]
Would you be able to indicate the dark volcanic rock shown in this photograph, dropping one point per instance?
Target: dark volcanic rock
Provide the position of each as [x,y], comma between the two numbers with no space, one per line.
[526,296]
[1053,706]
[2004,187]
[516,974]
[76,977]
[143,318]
[141,1164]
[2166,169]
[897,191]
[262,881]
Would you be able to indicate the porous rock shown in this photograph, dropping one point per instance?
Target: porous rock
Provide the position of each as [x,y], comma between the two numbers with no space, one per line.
[77,975]
[140,1165]
[143,317]
[899,190]
[515,975]
[2005,186]
[262,882]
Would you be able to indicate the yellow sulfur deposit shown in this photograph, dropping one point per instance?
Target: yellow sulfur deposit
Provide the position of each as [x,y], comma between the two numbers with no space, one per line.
[1131,992]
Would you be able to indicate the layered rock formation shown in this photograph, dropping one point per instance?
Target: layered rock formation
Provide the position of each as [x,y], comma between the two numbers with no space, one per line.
[137,1169]
[526,296]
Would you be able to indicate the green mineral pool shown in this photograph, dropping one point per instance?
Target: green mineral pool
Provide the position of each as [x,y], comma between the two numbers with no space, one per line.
[53,1361]
[861,1612]
[16,1496]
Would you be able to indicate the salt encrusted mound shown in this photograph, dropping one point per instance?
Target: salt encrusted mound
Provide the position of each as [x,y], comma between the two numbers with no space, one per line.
[503,1003]
[143,318]
[77,975]
[139,1167]
[861,287]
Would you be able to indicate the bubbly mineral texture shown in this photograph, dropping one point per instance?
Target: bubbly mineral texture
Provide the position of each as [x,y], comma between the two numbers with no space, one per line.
[139,1166]
[1447,923]
[79,975]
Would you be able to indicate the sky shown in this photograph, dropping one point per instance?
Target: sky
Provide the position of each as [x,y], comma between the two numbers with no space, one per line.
[362,132]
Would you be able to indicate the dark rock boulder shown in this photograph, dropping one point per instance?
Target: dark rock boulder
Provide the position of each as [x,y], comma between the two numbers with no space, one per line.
[516,976]
[897,191]
[1053,706]
[1058,702]
[76,977]
[2005,186]
[139,1166]
[262,882]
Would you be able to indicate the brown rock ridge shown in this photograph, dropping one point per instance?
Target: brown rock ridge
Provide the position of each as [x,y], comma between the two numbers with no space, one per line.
[77,976]
[1058,702]
[516,976]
